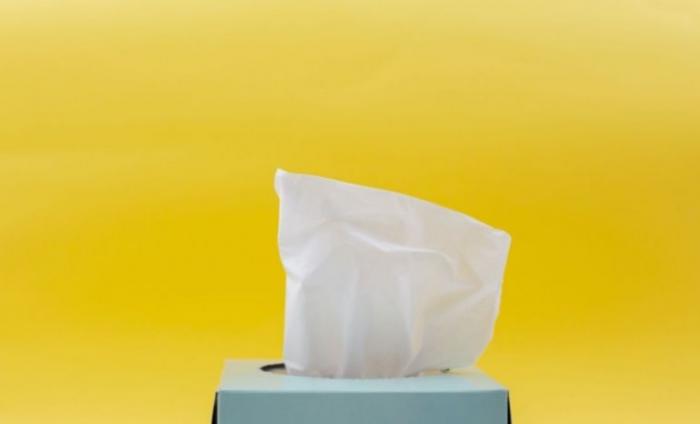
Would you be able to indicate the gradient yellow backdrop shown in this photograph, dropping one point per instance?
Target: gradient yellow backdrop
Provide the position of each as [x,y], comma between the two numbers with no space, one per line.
[138,141]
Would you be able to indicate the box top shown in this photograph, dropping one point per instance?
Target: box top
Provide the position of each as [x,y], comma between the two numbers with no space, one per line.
[246,376]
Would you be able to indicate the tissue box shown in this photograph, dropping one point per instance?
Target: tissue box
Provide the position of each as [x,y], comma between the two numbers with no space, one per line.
[249,395]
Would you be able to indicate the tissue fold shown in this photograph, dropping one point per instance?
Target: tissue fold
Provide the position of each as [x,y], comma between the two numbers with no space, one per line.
[381,284]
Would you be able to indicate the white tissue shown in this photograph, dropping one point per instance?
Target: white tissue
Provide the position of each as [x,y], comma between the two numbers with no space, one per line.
[381,284]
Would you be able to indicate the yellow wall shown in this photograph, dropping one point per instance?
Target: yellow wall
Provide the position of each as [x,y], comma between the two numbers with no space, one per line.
[138,141]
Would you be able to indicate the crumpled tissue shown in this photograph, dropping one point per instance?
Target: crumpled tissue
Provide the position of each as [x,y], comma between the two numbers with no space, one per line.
[381,284]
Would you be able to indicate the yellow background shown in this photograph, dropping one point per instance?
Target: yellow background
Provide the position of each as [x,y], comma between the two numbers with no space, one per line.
[138,141]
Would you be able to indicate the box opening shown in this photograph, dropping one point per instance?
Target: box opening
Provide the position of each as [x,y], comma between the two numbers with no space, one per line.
[279,368]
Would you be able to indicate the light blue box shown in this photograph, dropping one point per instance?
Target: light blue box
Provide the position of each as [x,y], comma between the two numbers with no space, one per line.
[249,395]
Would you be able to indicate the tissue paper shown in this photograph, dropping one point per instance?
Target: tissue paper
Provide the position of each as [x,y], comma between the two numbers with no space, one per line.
[381,284]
